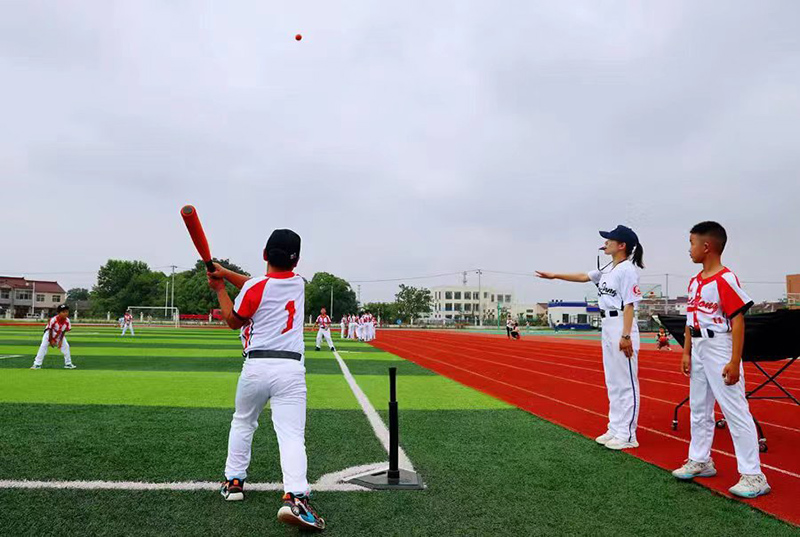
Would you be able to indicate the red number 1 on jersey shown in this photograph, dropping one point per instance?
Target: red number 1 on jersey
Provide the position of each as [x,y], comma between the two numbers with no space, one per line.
[290,320]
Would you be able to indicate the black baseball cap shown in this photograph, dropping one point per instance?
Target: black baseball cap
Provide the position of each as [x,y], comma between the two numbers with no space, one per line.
[62,307]
[283,248]
[621,234]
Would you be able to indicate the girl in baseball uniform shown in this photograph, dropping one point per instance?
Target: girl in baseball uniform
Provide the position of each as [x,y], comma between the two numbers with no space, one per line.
[618,296]
[712,359]
[55,335]
[269,313]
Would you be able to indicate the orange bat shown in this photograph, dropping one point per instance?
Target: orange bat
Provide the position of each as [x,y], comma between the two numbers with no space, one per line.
[192,221]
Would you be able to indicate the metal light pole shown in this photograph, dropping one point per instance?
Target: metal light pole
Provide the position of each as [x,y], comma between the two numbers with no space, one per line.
[331,302]
[480,298]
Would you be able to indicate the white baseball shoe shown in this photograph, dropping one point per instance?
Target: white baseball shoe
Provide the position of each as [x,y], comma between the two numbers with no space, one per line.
[750,486]
[70,366]
[604,438]
[34,366]
[692,469]
[617,444]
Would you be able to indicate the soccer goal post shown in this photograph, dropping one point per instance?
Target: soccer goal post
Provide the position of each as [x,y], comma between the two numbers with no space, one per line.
[155,315]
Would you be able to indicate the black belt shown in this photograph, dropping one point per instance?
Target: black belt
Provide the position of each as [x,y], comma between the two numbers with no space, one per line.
[699,333]
[611,313]
[288,355]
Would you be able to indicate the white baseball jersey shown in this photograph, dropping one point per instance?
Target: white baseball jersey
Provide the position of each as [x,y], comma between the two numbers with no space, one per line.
[324,322]
[714,301]
[57,328]
[127,318]
[618,287]
[273,306]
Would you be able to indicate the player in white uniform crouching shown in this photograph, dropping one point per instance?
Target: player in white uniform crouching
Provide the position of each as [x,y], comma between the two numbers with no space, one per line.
[323,322]
[618,292]
[55,335]
[712,358]
[269,312]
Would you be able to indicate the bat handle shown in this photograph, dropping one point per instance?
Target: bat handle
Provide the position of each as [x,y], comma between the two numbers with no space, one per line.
[210,266]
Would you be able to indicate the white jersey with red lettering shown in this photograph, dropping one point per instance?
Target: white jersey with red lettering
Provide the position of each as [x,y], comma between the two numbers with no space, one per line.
[273,308]
[127,318]
[324,322]
[714,301]
[57,328]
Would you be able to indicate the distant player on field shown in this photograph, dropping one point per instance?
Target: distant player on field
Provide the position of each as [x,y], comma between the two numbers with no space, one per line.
[127,323]
[663,340]
[269,312]
[55,335]
[324,324]
[345,321]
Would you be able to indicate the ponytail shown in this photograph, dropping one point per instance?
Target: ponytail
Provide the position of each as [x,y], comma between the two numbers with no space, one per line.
[638,255]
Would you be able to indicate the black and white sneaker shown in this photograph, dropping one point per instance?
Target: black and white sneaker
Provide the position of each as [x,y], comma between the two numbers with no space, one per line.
[233,490]
[316,348]
[70,366]
[333,349]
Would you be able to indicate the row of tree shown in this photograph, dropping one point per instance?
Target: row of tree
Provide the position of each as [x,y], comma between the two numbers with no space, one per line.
[122,283]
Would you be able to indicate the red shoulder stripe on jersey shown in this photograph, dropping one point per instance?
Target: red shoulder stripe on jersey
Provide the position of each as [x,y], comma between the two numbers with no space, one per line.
[730,302]
[252,299]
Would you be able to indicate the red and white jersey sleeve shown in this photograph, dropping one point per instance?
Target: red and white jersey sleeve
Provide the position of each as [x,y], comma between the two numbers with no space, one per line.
[57,328]
[128,318]
[714,301]
[273,308]
[324,321]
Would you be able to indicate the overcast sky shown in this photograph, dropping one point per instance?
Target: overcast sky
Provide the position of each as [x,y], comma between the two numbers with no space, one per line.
[400,139]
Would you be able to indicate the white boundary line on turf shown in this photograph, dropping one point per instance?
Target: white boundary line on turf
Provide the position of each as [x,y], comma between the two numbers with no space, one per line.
[372,415]
[9,356]
[332,482]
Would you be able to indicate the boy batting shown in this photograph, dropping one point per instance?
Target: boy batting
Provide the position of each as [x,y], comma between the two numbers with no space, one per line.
[269,313]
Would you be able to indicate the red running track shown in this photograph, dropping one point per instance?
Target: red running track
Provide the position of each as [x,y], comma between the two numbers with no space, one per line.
[562,381]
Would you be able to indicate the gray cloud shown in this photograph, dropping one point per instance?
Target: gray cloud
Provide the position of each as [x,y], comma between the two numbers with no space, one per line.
[400,140]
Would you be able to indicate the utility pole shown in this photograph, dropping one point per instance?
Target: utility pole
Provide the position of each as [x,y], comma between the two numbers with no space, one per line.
[172,299]
[331,302]
[480,299]
[359,295]
[166,297]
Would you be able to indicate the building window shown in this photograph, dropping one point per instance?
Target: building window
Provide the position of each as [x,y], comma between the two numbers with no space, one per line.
[56,298]
[448,306]
[23,295]
[499,299]
[467,307]
[39,298]
[583,318]
[508,299]
[458,307]
[492,298]
[448,295]
[457,295]
[5,294]
[485,295]
[565,318]
[448,316]
[476,307]
[467,295]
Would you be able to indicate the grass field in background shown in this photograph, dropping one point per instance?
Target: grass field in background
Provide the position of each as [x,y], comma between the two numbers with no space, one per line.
[157,408]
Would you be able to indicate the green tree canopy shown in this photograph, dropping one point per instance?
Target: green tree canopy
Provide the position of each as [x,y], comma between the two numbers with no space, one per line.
[122,283]
[77,293]
[387,312]
[413,302]
[318,295]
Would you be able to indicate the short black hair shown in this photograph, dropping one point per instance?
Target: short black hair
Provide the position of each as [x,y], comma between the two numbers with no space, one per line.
[62,307]
[712,230]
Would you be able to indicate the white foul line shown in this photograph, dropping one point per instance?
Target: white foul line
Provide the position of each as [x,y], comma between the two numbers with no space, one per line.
[372,415]
[7,356]
[332,482]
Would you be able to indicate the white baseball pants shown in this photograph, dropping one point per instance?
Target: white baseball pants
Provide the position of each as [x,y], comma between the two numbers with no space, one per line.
[622,380]
[344,329]
[326,333]
[283,383]
[126,326]
[45,346]
[351,333]
[709,357]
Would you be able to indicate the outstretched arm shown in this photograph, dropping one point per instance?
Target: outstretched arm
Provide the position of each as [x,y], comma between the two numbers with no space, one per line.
[236,279]
[579,277]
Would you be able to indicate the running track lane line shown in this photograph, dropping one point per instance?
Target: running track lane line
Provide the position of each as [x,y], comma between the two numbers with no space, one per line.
[654,431]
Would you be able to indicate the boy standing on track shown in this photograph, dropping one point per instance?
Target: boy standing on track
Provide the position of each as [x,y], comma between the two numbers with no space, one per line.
[127,322]
[324,324]
[55,335]
[269,312]
[712,358]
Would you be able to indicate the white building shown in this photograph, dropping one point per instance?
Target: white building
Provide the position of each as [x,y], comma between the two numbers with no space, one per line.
[461,303]
[528,312]
[572,314]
